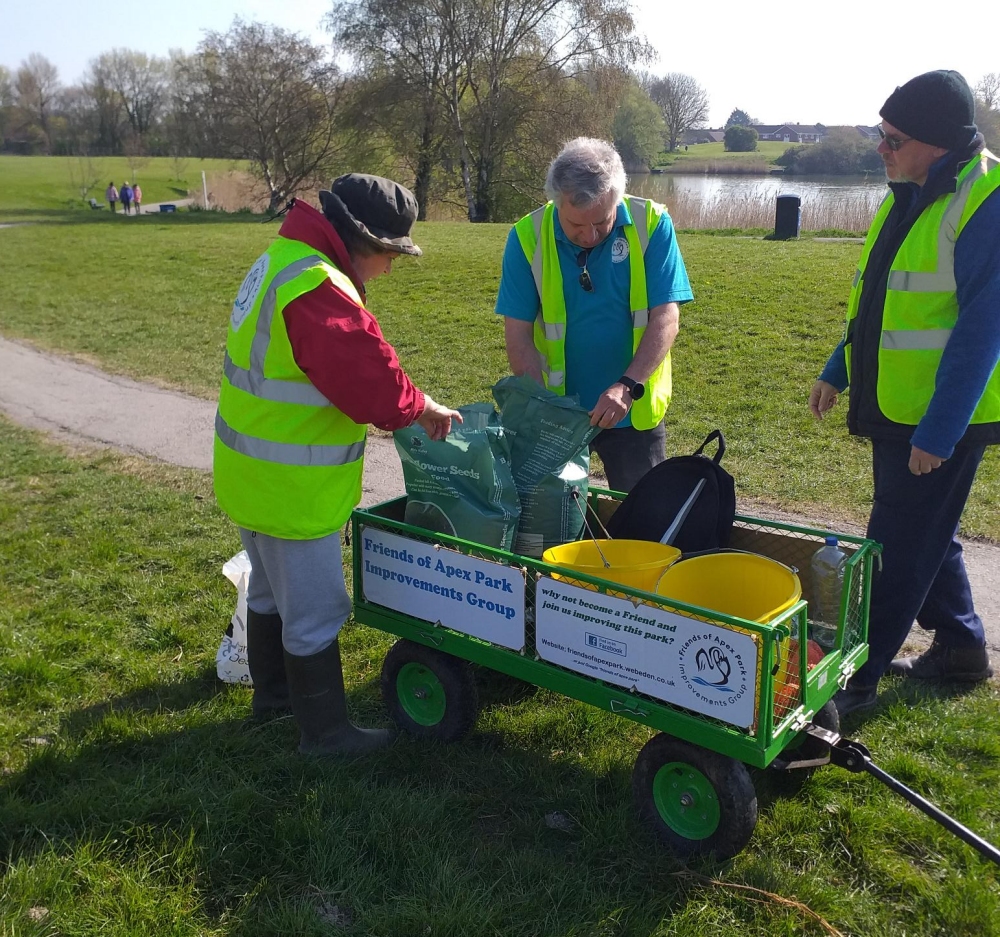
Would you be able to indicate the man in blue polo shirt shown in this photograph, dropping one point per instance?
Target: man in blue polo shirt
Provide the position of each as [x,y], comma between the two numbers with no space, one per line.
[590,292]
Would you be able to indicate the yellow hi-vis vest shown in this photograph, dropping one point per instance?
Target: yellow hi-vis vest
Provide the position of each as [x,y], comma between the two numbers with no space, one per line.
[921,306]
[287,462]
[536,233]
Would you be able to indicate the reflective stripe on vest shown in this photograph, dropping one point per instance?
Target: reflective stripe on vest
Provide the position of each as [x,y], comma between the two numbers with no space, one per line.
[285,453]
[536,233]
[921,306]
[287,461]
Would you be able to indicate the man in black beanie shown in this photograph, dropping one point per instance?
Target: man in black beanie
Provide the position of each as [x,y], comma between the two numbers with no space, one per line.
[920,353]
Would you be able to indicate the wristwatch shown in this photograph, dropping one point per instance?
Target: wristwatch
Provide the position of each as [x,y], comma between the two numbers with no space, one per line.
[635,389]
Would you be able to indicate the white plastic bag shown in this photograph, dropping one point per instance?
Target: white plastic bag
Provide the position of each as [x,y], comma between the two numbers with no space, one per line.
[231,658]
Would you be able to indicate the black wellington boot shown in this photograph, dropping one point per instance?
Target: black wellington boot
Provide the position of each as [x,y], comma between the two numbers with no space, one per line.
[266,659]
[320,706]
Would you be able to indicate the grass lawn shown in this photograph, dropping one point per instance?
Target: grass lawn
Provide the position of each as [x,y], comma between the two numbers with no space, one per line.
[767,152]
[134,801]
[48,186]
[766,316]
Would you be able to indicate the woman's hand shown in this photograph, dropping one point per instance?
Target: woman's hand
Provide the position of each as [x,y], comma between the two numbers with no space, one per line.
[436,420]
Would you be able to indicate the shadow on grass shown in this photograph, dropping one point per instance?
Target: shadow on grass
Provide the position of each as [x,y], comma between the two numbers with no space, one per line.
[171,776]
[499,689]
[169,698]
[773,785]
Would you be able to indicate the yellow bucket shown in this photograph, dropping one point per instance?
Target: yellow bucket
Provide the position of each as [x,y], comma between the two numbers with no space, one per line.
[743,585]
[637,564]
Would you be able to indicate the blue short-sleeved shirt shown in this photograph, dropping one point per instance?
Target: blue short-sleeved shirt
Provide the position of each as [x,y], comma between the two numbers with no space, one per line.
[598,324]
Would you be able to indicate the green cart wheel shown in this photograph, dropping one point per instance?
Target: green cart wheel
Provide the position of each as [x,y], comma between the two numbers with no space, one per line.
[428,693]
[696,801]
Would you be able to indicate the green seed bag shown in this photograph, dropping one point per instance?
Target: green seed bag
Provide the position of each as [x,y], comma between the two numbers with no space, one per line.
[462,485]
[550,457]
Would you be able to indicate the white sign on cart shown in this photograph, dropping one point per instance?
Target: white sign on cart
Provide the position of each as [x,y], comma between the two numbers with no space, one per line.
[703,667]
[425,581]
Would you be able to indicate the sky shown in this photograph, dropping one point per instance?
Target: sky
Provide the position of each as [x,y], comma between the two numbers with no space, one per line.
[806,62]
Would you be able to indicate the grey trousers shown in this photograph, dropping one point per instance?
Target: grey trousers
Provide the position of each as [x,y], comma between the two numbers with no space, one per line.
[303,582]
[628,453]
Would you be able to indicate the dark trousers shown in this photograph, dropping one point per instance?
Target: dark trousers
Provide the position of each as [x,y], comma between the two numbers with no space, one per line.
[628,453]
[923,577]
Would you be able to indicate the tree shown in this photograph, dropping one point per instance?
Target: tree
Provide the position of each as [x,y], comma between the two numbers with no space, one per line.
[683,103]
[106,106]
[83,175]
[988,109]
[186,127]
[6,98]
[740,118]
[73,106]
[496,76]
[637,129]
[740,139]
[842,151]
[6,87]
[987,91]
[267,96]
[404,51]
[36,86]
[141,84]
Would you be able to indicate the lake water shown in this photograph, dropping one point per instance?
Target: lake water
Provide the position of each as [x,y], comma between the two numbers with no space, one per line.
[703,200]
[663,186]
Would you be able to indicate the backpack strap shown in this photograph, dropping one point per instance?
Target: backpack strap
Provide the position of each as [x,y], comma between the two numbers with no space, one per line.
[716,434]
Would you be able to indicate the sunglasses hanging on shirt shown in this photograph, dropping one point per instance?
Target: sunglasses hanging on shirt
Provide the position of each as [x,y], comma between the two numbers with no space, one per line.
[585,281]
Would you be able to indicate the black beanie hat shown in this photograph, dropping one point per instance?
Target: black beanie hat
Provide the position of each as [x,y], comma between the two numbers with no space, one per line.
[935,108]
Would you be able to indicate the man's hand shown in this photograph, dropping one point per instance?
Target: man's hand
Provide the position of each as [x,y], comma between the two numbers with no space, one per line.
[436,420]
[923,463]
[611,407]
[822,397]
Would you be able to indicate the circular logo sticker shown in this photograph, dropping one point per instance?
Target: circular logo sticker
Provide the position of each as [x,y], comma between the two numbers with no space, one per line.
[247,295]
[619,250]
[713,669]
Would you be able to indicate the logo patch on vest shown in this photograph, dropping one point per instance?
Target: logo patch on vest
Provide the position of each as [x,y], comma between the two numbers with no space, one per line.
[619,250]
[247,295]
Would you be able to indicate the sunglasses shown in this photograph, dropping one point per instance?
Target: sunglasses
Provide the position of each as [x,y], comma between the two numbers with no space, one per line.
[585,281]
[894,143]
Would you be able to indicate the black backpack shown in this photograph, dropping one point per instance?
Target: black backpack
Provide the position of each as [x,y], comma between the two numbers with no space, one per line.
[668,489]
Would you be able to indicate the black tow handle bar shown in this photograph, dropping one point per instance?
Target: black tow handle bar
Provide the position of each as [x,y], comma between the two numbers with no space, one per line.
[855,757]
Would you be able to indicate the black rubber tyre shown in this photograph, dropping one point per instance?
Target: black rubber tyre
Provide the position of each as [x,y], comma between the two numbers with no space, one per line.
[695,801]
[428,693]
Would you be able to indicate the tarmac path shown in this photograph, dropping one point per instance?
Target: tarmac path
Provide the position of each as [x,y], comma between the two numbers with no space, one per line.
[81,405]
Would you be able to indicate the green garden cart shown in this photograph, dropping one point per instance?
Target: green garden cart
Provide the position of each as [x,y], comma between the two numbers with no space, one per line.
[722,692]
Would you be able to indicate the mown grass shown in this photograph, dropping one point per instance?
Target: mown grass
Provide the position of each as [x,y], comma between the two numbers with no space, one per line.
[133,800]
[48,186]
[766,316]
[715,153]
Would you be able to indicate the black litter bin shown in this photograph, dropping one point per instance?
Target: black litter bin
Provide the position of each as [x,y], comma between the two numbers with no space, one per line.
[787,215]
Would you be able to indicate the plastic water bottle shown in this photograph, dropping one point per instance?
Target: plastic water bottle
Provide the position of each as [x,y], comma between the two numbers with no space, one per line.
[827,570]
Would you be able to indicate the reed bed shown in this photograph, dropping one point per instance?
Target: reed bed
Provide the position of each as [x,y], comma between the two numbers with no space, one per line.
[755,209]
[746,166]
